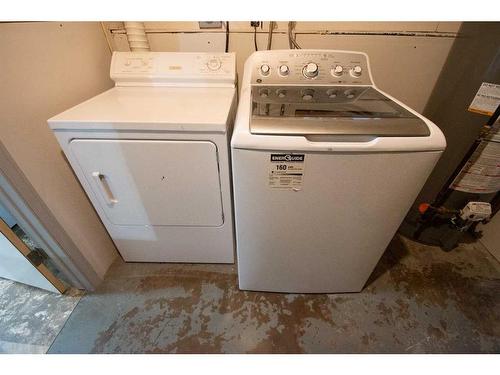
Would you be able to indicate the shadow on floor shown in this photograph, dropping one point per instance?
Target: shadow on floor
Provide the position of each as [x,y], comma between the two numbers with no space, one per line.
[394,254]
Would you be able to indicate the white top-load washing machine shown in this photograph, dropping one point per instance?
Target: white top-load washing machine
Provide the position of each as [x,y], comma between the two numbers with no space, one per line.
[325,167]
[152,154]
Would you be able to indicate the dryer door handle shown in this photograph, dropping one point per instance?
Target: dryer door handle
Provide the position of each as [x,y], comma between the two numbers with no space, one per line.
[104,188]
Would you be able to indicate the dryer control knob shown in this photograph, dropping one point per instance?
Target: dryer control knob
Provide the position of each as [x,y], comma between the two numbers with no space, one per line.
[356,71]
[311,70]
[265,70]
[337,70]
[214,63]
[307,94]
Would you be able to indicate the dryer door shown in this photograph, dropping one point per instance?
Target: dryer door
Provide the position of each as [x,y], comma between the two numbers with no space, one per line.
[152,182]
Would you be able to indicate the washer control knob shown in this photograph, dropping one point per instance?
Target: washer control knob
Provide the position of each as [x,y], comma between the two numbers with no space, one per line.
[307,94]
[356,71]
[264,93]
[311,70]
[281,93]
[265,69]
[214,63]
[284,70]
[337,70]
[332,94]
[349,94]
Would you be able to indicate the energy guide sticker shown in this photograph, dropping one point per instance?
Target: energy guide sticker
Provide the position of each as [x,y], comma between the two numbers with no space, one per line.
[286,171]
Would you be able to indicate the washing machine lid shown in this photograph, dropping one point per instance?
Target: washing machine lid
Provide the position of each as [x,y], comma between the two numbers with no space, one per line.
[330,110]
[193,109]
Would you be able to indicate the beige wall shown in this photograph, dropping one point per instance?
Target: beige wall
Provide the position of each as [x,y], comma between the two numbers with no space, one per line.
[45,69]
[406,57]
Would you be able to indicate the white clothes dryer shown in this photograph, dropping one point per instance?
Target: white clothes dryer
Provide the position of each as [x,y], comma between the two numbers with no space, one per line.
[152,154]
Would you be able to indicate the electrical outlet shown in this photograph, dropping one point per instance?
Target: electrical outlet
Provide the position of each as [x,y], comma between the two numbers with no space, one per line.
[255,23]
[210,24]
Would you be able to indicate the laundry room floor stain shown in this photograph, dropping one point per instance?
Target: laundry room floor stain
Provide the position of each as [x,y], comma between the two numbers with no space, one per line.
[418,300]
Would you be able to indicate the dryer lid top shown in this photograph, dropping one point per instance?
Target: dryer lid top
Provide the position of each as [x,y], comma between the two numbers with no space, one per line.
[199,109]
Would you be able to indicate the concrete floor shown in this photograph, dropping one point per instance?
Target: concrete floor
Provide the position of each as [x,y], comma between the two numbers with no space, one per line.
[31,318]
[418,300]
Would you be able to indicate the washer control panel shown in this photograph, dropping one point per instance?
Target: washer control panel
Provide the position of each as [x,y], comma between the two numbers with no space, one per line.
[311,67]
[157,68]
[316,94]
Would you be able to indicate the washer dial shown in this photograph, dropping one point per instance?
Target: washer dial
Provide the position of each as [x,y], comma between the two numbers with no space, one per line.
[337,70]
[310,70]
[284,70]
[356,71]
[265,69]
[349,94]
[332,94]
[281,93]
[307,94]
[264,93]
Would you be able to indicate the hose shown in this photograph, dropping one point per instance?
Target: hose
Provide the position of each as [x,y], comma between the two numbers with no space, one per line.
[136,35]
[291,38]
[270,35]
[255,37]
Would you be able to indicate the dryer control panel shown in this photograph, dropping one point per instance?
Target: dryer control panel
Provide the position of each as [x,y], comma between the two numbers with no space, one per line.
[173,69]
[311,67]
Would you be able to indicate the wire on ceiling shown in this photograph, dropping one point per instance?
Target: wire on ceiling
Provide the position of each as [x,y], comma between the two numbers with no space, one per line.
[270,35]
[227,36]
[291,37]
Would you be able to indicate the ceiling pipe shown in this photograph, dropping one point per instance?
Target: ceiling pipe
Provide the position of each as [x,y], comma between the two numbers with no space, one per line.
[136,35]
